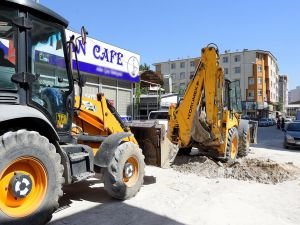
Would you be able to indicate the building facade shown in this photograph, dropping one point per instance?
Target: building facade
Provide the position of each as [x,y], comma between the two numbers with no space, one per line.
[283,92]
[180,71]
[291,110]
[257,71]
[294,95]
[109,70]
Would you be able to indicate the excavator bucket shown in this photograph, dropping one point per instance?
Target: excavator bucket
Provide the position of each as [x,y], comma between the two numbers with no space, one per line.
[152,139]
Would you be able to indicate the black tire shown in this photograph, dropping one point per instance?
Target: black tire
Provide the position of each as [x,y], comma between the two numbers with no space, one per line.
[244,139]
[184,151]
[231,152]
[14,147]
[114,178]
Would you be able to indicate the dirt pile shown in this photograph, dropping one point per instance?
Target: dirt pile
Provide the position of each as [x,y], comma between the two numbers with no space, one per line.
[262,171]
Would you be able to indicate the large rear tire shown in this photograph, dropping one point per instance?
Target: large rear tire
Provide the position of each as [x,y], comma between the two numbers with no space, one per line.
[244,139]
[232,145]
[124,176]
[30,178]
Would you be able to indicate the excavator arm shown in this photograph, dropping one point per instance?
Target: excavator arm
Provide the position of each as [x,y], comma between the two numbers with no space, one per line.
[203,94]
[97,119]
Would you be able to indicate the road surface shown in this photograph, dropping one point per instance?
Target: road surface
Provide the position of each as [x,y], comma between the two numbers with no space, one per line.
[170,197]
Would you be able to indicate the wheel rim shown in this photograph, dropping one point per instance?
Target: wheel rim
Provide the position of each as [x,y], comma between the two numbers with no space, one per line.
[131,171]
[234,146]
[31,197]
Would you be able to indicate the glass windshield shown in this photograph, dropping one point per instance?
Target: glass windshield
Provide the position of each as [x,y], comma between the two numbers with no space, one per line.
[52,87]
[7,49]
[235,96]
[293,127]
[158,115]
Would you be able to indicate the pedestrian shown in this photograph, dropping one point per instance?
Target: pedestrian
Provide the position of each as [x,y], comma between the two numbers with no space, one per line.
[278,123]
[282,123]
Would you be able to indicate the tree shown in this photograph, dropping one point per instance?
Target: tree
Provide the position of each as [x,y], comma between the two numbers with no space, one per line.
[144,67]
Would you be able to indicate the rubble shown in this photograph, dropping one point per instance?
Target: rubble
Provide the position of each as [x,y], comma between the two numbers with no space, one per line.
[259,170]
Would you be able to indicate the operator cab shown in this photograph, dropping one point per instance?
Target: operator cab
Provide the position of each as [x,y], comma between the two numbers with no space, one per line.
[232,96]
[34,66]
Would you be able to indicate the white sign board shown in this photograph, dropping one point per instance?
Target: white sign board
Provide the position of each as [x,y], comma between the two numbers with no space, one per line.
[102,59]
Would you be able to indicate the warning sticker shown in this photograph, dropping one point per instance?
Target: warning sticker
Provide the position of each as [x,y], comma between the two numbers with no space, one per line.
[61,119]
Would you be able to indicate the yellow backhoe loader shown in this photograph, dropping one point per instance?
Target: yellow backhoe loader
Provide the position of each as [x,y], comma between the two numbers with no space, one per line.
[207,117]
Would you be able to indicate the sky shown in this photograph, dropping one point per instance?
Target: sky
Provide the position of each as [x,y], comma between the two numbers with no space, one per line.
[162,30]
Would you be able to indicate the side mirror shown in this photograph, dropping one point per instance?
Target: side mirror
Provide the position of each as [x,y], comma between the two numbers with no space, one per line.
[84,33]
[81,80]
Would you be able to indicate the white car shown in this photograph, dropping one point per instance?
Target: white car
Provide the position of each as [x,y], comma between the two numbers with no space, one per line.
[160,116]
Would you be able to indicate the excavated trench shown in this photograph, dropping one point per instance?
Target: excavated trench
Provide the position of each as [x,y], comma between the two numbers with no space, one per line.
[261,171]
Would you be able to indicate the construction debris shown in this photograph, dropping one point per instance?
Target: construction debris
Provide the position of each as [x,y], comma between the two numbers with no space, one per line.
[261,171]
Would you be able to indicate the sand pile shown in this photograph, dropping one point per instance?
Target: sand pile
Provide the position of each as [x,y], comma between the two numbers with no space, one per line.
[262,171]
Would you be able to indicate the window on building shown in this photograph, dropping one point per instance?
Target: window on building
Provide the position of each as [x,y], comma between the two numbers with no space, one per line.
[173,75]
[250,80]
[259,80]
[192,63]
[250,94]
[158,68]
[181,88]
[225,59]
[225,70]
[182,64]
[259,92]
[192,74]
[237,58]
[237,69]
[258,56]
[173,66]
[182,75]
[259,69]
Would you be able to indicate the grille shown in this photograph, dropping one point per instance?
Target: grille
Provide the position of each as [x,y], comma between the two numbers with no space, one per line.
[9,98]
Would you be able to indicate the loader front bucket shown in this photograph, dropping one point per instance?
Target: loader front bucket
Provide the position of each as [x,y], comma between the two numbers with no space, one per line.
[152,138]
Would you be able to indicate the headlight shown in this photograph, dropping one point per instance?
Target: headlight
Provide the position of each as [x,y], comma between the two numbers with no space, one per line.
[290,139]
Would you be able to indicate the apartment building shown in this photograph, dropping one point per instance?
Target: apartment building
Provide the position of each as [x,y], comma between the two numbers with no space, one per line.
[283,92]
[294,95]
[257,71]
[179,70]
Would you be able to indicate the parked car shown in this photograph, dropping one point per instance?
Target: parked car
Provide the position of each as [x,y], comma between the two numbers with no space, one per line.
[288,120]
[274,121]
[245,117]
[292,135]
[270,122]
[158,115]
[263,122]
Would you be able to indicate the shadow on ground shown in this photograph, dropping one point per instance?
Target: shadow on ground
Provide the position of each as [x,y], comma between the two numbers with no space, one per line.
[84,191]
[115,213]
